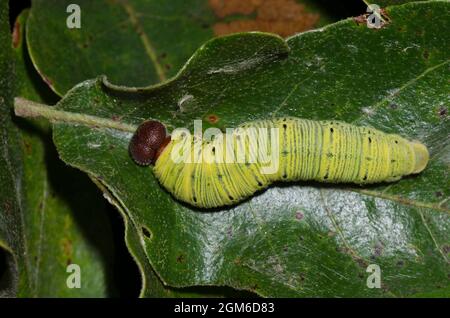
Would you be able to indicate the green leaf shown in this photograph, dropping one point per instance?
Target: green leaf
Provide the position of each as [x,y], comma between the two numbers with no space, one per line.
[140,42]
[60,214]
[152,286]
[385,3]
[296,239]
[10,173]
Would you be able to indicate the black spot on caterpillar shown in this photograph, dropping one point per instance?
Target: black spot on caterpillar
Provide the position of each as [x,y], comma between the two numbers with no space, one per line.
[303,149]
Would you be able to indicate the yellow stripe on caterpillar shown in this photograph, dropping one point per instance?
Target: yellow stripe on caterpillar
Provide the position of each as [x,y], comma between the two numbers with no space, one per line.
[325,151]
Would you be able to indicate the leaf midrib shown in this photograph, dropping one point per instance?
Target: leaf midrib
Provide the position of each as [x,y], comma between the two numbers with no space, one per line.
[149,49]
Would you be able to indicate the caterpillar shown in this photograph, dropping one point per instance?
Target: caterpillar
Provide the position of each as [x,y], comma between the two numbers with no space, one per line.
[325,151]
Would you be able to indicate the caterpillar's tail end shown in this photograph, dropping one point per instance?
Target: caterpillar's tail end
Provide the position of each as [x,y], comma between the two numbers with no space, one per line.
[421,156]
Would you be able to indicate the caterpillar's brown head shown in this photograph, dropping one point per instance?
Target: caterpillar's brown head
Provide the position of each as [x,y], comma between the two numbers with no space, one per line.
[148,142]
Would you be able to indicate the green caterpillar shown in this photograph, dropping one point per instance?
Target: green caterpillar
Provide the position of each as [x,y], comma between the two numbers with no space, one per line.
[326,151]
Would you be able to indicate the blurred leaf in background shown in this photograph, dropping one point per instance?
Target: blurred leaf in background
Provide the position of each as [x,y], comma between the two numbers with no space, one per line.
[142,42]
[60,216]
[10,168]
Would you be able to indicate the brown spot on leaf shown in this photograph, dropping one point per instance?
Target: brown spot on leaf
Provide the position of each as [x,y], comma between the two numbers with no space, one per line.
[67,247]
[299,215]
[443,111]
[222,8]
[180,258]
[384,13]
[28,147]
[420,33]
[16,35]
[283,17]
[362,263]
[426,54]
[361,19]
[302,277]
[212,118]
[7,206]
[378,250]
[384,288]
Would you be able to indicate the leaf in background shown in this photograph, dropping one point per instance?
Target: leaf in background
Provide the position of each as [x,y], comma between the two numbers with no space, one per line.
[140,42]
[295,239]
[62,215]
[10,168]
[385,3]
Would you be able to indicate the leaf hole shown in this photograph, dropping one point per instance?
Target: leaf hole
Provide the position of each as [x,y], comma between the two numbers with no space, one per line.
[146,232]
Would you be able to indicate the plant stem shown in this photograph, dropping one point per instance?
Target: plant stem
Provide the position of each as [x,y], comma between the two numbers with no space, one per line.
[27,108]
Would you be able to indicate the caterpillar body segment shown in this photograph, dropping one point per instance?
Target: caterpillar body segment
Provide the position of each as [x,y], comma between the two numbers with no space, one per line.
[325,151]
